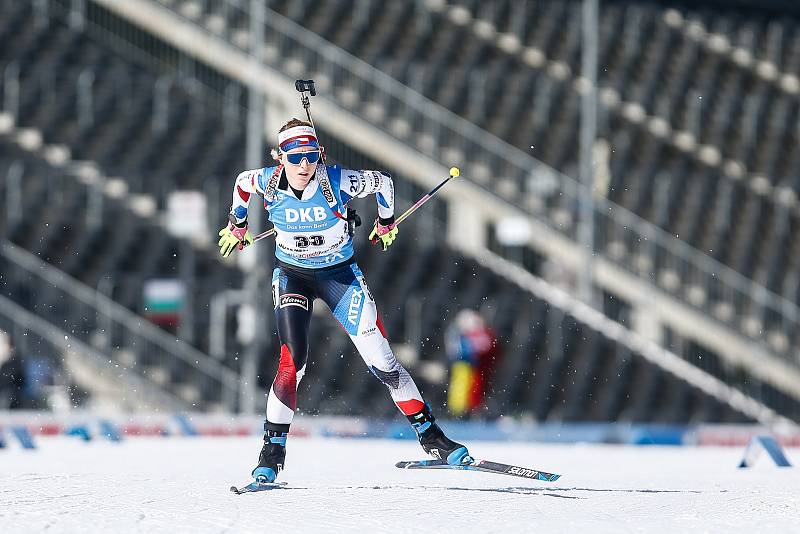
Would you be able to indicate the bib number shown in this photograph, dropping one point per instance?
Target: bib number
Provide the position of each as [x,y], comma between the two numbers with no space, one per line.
[302,241]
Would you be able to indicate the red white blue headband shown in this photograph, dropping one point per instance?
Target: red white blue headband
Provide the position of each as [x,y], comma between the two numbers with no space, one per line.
[297,136]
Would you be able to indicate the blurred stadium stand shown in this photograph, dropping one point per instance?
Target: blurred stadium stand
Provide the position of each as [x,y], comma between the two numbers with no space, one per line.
[686,168]
[716,138]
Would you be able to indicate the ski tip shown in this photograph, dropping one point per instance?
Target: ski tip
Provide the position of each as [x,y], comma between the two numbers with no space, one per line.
[235,490]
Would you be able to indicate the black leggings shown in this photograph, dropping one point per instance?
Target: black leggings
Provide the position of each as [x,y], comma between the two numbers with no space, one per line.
[343,288]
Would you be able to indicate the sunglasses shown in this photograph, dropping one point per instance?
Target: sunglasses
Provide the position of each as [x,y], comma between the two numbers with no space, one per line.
[295,158]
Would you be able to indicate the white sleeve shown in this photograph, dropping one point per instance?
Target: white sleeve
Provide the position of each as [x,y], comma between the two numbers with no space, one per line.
[246,184]
[360,184]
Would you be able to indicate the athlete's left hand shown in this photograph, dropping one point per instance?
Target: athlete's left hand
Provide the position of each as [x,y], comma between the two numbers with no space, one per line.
[386,234]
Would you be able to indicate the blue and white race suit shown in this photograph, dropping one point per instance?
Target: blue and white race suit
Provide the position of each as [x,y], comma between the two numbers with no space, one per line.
[314,259]
[311,230]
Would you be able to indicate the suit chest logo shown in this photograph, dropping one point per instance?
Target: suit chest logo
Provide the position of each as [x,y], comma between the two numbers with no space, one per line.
[311,214]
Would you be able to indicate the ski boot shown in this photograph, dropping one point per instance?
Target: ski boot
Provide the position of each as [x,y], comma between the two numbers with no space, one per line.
[273,454]
[433,440]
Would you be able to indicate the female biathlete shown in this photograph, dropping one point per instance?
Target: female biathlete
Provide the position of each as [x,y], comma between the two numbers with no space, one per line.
[307,204]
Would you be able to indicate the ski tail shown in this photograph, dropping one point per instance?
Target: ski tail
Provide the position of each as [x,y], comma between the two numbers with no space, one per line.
[485,466]
[421,464]
[257,486]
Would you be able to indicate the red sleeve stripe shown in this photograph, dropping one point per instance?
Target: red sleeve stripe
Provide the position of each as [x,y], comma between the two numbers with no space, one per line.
[243,194]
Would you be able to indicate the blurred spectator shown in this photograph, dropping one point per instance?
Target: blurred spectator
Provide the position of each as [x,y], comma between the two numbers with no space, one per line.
[12,375]
[472,352]
[40,377]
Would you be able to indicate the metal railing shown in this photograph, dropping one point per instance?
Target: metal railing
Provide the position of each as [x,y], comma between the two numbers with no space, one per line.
[669,361]
[141,392]
[89,316]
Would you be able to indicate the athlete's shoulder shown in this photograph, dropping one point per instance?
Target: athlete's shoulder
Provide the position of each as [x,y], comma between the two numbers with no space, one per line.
[267,182]
[264,174]
[256,178]
[334,175]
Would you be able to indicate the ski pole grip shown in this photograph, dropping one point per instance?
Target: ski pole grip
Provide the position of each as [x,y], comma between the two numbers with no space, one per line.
[305,85]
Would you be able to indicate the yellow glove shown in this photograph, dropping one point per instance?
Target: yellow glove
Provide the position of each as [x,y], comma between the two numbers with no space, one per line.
[386,234]
[232,237]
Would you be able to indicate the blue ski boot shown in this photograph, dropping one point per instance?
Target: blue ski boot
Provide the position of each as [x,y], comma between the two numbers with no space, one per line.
[433,440]
[272,457]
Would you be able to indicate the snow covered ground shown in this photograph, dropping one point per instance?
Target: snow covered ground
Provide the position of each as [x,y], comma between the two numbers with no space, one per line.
[349,485]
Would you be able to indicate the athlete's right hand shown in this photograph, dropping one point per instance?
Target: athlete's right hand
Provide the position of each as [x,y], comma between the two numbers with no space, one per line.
[232,237]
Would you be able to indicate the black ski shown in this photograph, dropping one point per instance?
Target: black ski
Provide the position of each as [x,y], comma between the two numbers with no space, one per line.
[482,465]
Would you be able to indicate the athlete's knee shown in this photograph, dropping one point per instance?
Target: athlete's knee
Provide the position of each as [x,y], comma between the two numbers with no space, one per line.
[390,378]
[390,372]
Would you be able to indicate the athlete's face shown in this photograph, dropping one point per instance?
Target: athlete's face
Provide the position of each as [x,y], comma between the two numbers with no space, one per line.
[299,173]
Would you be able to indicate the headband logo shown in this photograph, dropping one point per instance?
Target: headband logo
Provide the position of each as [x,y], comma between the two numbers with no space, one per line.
[297,136]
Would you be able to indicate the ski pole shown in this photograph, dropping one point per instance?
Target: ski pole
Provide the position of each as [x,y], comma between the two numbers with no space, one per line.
[262,235]
[257,237]
[454,173]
